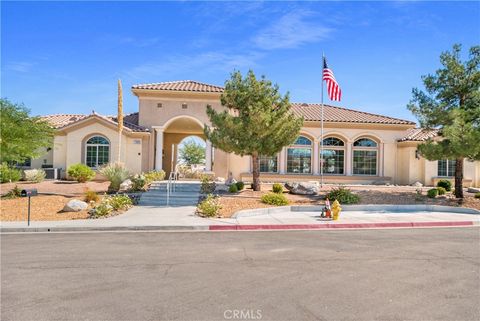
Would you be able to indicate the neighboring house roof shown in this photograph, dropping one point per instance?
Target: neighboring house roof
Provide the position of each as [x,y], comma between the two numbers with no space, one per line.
[182,85]
[419,135]
[60,121]
[313,112]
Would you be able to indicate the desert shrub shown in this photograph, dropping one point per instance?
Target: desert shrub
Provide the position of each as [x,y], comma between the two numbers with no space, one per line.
[119,202]
[432,193]
[208,185]
[233,188]
[116,173]
[153,176]
[102,209]
[240,185]
[81,173]
[91,196]
[477,195]
[446,184]
[274,199]
[441,191]
[34,175]
[210,206]
[9,174]
[13,193]
[343,195]
[139,182]
[277,188]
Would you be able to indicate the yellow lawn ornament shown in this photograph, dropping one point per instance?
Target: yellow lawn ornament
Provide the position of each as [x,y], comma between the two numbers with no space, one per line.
[336,209]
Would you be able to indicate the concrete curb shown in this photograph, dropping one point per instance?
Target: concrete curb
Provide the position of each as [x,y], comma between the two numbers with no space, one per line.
[377,208]
[106,228]
[338,226]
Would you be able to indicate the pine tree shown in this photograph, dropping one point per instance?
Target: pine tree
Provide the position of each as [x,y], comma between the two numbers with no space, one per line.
[257,120]
[451,104]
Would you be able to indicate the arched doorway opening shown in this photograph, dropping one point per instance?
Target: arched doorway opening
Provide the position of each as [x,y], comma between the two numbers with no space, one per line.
[190,157]
[179,131]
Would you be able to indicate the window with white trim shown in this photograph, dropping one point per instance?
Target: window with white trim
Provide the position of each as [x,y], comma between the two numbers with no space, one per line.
[299,156]
[333,156]
[365,152]
[446,167]
[97,151]
[268,164]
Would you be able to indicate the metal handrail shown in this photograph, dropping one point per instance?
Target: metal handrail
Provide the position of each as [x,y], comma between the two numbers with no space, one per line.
[171,184]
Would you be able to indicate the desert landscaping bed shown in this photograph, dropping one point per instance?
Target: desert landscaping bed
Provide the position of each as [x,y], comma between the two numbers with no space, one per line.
[58,187]
[43,208]
[396,195]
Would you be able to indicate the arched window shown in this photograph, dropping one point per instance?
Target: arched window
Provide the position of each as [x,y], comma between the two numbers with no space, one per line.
[333,156]
[365,157]
[299,156]
[97,151]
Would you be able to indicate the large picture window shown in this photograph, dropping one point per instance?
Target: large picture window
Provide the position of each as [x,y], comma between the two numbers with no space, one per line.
[97,151]
[268,164]
[446,167]
[299,156]
[365,157]
[333,156]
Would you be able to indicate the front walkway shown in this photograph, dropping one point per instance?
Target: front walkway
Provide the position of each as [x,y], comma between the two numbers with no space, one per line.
[183,217]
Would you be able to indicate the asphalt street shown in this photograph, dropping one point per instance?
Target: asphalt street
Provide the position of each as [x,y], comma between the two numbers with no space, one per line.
[396,274]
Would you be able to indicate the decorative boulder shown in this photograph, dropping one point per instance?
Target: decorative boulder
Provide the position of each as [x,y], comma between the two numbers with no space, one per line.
[302,188]
[75,206]
[473,190]
[126,185]
[417,184]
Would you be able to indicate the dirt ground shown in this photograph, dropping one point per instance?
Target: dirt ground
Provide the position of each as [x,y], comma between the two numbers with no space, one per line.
[68,188]
[369,194]
[43,208]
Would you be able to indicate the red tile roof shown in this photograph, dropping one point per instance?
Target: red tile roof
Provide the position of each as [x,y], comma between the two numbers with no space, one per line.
[313,112]
[182,85]
[419,135]
[62,120]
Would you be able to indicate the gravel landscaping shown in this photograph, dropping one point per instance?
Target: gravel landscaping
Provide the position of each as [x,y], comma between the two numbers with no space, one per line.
[370,194]
[68,188]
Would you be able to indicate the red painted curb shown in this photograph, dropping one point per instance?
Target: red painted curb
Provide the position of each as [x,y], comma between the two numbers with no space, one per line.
[334,225]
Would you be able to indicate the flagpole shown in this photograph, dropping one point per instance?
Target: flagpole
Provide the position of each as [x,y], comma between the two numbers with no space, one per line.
[321,130]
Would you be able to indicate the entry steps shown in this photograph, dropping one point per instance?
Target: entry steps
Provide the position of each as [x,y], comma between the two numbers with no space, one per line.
[186,193]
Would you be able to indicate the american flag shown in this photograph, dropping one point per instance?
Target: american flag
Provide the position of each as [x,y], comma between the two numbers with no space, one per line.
[333,89]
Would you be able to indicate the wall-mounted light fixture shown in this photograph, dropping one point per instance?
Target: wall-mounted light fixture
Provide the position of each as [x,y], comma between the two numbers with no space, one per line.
[417,154]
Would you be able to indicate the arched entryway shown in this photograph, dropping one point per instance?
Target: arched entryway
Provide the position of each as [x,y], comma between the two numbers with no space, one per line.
[171,135]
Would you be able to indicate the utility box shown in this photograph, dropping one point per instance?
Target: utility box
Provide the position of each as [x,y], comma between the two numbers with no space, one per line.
[29,192]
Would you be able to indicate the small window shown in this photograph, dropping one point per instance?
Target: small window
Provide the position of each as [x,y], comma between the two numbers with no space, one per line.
[159,105]
[446,167]
[184,106]
[332,141]
[302,140]
[364,142]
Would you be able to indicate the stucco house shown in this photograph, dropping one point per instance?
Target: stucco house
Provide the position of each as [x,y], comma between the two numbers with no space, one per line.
[360,147]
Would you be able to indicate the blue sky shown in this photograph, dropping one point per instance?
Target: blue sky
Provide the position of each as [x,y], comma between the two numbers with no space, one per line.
[66,57]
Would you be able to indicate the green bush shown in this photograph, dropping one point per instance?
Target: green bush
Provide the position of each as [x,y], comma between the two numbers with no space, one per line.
[432,193]
[139,182]
[274,199]
[13,193]
[9,174]
[116,173]
[102,209]
[208,185]
[343,195]
[441,191]
[240,185]
[477,195]
[119,202]
[210,206]
[34,175]
[81,173]
[277,188]
[446,184]
[233,188]
[153,176]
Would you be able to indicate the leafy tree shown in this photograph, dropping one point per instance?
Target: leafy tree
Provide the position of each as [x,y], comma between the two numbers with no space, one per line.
[21,136]
[257,121]
[451,104]
[192,152]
